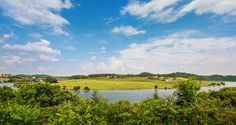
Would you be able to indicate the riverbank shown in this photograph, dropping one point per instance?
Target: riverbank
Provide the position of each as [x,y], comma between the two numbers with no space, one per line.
[131,83]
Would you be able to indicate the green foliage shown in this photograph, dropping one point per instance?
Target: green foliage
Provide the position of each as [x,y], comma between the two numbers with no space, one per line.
[155,87]
[76,88]
[51,80]
[145,74]
[155,96]
[222,83]
[77,115]
[44,104]
[43,94]
[95,96]
[78,77]
[15,114]
[186,92]
[6,94]
[86,88]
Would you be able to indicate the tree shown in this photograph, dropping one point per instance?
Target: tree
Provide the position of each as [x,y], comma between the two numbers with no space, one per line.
[51,80]
[44,95]
[186,92]
[95,96]
[15,114]
[86,88]
[6,93]
[76,88]
[155,95]
[155,87]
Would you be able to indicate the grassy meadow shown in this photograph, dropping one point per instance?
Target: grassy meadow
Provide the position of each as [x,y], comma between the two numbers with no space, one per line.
[121,83]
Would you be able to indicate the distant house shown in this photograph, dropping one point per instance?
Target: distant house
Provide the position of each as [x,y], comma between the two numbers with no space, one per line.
[168,80]
[161,78]
[6,75]
[153,77]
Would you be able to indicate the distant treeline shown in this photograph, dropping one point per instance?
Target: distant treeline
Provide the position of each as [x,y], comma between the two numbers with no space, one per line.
[147,74]
[143,74]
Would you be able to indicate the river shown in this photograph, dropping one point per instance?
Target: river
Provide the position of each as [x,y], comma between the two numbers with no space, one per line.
[141,94]
[135,95]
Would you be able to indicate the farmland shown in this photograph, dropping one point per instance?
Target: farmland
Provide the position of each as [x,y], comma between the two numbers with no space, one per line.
[122,83]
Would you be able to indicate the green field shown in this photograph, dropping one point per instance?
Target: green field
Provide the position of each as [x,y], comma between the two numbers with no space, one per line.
[120,83]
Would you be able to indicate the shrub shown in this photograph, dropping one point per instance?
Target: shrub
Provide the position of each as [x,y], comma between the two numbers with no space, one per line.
[76,88]
[222,83]
[51,80]
[186,92]
[86,88]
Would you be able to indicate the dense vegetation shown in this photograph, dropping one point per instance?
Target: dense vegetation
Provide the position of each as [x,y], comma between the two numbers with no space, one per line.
[36,104]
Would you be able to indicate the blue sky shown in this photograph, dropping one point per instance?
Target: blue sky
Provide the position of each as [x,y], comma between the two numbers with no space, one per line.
[65,37]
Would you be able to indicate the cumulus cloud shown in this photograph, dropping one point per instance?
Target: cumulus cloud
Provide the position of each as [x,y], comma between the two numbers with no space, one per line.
[42,46]
[219,7]
[103,49]
[43,69]
[205,55]
[4,37]
[30,53]
[128,30]
[6,33]
[92,58]
[45,13]
[14,59]
[166,11]
[48,58]
[160,10]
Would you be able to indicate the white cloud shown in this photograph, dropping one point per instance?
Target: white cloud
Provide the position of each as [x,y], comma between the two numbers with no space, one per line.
[36,35]
[166,11]
[45,13]
[92,58]
[14,59]
[70,47]
[4,37]
[43,69]
[218,7]
[112,66]
[29,54]
[110,20]
[204,55]
[42,46]
[128,30]
[160,10]
[103,49]
[48,58]
[6,33]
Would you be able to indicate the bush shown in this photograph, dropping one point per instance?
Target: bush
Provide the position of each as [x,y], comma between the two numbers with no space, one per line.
[64,87]
[76,88]
[51,80]
[6,93]
[45,95]
[186,92]
[222,83]
[86,88]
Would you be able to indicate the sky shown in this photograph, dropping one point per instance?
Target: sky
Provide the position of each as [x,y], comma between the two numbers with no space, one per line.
[67,37]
